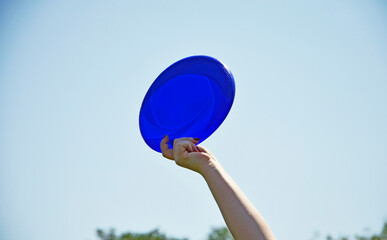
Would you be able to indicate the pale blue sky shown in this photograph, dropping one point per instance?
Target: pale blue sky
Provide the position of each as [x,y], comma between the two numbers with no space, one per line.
[306,138]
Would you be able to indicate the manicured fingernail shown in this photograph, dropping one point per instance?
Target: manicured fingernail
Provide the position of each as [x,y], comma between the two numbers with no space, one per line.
[165,136]
[196,139]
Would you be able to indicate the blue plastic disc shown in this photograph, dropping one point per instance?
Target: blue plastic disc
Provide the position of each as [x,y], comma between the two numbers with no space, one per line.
[191,98]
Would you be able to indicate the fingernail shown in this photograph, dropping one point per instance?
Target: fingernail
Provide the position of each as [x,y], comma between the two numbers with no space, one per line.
[165,136]
[196,139]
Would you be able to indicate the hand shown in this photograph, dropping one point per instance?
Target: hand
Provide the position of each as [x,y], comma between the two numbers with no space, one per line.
[187,154]
[242,218]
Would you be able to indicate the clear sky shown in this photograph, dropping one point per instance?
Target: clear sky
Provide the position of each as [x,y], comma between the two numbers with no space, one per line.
[306,138]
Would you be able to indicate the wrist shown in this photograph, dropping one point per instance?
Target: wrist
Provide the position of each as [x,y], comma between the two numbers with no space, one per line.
[209,167]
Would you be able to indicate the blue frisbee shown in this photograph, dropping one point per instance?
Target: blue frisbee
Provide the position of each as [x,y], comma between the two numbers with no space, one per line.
[191,98]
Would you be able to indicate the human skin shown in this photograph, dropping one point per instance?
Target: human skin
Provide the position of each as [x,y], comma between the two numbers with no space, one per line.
[242,218]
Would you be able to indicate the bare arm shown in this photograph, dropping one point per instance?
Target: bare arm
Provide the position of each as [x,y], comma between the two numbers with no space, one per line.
[242,218]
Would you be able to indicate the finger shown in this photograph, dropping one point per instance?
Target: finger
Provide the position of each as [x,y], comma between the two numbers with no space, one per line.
[195,148]
[194,140]
[183,145]
[184,139]
[165,150]
[190,148]
[182,148]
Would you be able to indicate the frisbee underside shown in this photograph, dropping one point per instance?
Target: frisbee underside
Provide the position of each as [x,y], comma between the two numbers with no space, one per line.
[191,98]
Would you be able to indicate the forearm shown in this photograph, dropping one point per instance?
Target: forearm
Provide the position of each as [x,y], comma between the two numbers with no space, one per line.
[242,218]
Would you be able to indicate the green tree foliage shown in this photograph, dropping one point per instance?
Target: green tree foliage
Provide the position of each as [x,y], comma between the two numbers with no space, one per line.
[381,236]
[221,233]
[152,235]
